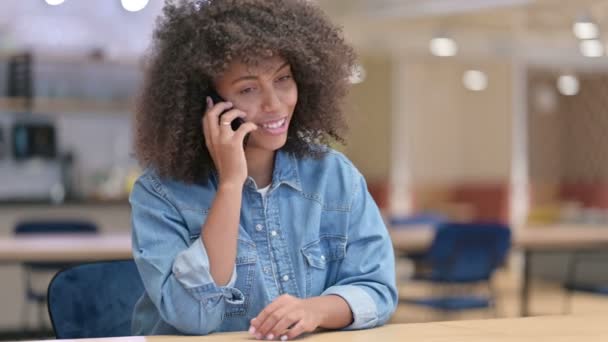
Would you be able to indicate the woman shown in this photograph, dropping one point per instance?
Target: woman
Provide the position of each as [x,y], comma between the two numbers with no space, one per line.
[263,228]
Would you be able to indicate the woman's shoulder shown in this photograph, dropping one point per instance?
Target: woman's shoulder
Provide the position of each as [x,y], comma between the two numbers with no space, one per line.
[180,193]
[330,161]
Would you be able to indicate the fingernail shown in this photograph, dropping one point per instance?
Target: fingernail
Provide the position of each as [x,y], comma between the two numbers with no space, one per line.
[252,330]
[270,337]
[229,103]
[258,336]
[284,338]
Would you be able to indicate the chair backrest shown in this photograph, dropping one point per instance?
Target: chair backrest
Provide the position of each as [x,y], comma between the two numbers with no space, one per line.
[468,252]
[52,226]
[424,218]
[94,300]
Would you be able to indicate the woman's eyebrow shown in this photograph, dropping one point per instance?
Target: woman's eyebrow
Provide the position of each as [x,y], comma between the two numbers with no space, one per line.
[286,64]
[252,77]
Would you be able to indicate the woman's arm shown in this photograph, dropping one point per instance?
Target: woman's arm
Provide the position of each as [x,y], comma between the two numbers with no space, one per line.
[220,233]
[174,269]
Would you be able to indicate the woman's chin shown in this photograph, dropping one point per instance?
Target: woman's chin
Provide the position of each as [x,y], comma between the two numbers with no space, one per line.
[268,144]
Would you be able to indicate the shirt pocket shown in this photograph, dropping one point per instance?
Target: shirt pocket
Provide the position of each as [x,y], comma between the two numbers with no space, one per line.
[245,275]
[323,258]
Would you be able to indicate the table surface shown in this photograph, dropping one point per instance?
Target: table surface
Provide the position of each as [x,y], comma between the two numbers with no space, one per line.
[587,328]
[60,247]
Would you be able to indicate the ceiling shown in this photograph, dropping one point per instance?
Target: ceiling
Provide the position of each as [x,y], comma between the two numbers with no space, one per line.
[538,30]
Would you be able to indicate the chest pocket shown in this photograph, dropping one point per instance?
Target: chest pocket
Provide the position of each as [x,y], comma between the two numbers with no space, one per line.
[323,259]
[245,274]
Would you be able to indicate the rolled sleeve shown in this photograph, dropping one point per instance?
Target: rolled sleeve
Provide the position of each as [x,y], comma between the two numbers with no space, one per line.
[191,269]
[362,305]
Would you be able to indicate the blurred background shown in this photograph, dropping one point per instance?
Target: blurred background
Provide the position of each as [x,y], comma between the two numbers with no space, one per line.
[463,110]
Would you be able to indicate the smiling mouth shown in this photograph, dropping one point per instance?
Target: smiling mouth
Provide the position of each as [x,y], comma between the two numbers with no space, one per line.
[275,124]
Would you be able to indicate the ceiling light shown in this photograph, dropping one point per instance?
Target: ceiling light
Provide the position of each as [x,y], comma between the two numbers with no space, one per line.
[475,80]
[568,85]
[134,5]
[585,28]
[54,2]
[443,47]
[357,75]
[591,48]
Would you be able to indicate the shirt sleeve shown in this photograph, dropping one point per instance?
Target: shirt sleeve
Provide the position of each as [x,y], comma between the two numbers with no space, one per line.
[366,278]
[174,267]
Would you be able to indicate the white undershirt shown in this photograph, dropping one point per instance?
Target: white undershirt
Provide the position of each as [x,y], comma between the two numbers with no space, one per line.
[264,190]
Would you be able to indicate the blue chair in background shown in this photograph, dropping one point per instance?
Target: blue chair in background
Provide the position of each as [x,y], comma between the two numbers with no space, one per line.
[462,254]
[412,222]
[94,299]
[46,226]
[575,283]
[424,218]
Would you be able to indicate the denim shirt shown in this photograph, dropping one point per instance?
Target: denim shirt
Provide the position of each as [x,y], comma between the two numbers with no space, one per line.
[316,232]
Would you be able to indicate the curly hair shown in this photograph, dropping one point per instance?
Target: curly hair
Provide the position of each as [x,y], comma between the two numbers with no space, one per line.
[194,42]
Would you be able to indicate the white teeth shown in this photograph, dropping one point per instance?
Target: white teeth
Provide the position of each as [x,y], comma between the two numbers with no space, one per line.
[275,125]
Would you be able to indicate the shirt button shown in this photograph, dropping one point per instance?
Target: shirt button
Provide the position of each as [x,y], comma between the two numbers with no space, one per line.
[323,257]
[285,278]
[259,227]
[273,233]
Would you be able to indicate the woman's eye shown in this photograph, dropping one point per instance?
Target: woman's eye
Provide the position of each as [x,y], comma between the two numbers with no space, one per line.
[246,91]
[284,78]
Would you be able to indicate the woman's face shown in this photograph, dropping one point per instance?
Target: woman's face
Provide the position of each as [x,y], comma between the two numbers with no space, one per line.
[267,93]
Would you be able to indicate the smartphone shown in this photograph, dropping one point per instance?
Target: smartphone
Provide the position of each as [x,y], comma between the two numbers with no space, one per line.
[236,123]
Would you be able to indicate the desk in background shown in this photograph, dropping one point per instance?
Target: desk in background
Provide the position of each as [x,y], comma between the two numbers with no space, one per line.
[65,248]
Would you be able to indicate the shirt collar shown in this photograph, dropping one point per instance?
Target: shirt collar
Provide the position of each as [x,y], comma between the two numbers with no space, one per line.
[286,170]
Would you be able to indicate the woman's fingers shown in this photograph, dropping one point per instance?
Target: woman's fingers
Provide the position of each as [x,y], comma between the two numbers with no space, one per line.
[212,115]
[245,129]
[226,119]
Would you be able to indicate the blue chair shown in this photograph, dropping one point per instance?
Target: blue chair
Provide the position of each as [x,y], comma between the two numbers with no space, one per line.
[573,282]
[411,222]
[424,218]
[463,254]
[50,226]
[94,299]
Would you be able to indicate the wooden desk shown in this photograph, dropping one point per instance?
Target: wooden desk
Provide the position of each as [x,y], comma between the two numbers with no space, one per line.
[587,328]
[65,248]
[531,239]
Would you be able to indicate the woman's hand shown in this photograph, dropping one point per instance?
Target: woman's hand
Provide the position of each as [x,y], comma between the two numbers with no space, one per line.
[225,145]
[286,318]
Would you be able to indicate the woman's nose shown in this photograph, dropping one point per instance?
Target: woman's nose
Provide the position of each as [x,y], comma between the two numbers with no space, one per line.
[270,101]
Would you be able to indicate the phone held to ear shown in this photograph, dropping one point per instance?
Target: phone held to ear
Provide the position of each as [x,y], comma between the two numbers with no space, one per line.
[236,123]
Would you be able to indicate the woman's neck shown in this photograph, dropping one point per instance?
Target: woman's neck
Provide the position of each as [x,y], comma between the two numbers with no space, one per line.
[260,165]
